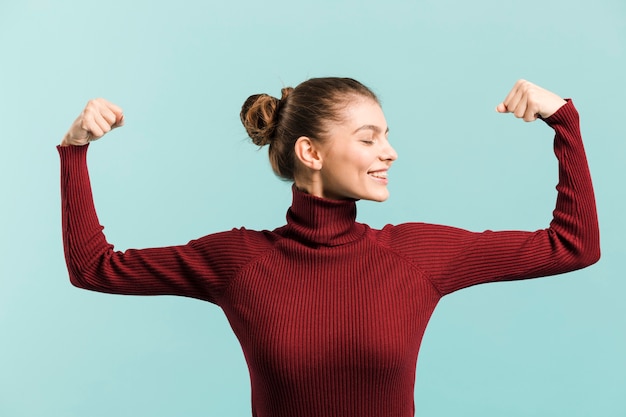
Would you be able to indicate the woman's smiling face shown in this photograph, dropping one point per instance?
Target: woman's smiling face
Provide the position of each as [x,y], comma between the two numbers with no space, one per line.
[356,154]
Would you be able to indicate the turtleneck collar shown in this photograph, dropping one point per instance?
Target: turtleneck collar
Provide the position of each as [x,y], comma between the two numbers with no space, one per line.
[322,222]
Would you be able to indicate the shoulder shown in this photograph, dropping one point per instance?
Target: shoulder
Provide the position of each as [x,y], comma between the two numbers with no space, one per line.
[240,235]
[396,234]
[237,242]
[415,239]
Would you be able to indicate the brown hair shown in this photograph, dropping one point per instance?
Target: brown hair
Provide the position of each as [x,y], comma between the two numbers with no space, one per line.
[301,111]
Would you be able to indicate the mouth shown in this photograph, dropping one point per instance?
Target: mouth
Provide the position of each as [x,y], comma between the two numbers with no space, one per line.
[380,176]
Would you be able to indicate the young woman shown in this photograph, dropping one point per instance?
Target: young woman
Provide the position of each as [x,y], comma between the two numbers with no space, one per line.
[329,312]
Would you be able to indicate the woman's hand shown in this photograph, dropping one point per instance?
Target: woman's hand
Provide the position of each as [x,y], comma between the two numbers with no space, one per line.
[97,118]
[528,101]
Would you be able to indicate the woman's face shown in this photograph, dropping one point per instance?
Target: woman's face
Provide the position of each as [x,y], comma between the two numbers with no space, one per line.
[356,154]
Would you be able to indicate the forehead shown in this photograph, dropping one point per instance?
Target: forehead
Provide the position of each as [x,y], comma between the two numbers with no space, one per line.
[363,112]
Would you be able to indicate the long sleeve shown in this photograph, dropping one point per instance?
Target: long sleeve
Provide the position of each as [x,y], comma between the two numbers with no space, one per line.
[200,269]
[330,313]
[454,258]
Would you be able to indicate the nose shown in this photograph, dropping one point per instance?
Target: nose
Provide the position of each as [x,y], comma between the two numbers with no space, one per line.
[387,153]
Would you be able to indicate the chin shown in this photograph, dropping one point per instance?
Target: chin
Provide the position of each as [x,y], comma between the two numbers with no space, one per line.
[379,198]
[378,195]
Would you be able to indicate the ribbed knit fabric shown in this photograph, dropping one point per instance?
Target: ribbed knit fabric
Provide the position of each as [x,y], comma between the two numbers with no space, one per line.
[329,312]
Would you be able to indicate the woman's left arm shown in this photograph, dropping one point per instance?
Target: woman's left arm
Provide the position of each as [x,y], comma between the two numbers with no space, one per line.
[575,220]
[455,258]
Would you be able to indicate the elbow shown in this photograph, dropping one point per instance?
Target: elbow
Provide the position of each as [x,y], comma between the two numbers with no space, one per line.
[79,279]
[579,250]
[591,256]
[84,275]
[591,250]
[76,277]
[587,255]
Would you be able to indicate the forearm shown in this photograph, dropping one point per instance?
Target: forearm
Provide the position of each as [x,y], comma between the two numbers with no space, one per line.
[83,240]
[575,220]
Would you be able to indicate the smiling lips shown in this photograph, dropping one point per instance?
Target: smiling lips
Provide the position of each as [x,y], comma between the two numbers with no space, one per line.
[379,175]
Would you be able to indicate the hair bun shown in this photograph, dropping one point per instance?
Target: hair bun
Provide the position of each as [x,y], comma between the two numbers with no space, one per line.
[259,115]
[285,91]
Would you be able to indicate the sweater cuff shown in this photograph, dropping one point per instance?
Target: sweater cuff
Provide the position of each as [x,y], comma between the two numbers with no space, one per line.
[566,115]
[72,152]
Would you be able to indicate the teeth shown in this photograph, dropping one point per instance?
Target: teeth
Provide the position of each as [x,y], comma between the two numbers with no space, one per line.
[382,174]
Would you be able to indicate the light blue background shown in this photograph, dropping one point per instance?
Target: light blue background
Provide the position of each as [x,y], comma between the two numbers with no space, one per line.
[182,168]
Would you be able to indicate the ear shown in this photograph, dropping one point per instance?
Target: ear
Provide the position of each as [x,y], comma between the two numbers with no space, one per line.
[307,153]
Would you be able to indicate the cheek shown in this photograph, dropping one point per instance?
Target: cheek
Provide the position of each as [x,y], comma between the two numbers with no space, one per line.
[349,164]
[362,161]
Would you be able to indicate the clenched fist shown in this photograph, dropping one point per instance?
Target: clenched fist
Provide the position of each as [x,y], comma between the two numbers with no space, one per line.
[528,101]
[97,118]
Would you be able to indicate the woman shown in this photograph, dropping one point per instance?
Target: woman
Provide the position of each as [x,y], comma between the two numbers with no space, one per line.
[329,312]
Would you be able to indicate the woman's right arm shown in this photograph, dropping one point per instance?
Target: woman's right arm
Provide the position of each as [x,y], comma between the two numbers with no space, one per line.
[200,269]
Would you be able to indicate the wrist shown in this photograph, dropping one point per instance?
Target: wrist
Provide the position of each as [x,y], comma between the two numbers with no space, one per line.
[67,141]
[553,107]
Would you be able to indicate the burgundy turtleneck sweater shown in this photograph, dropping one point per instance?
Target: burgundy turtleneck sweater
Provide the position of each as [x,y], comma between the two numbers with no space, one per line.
[329,312]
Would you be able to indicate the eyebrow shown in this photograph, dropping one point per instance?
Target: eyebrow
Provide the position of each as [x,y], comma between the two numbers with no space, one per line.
[375,129]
